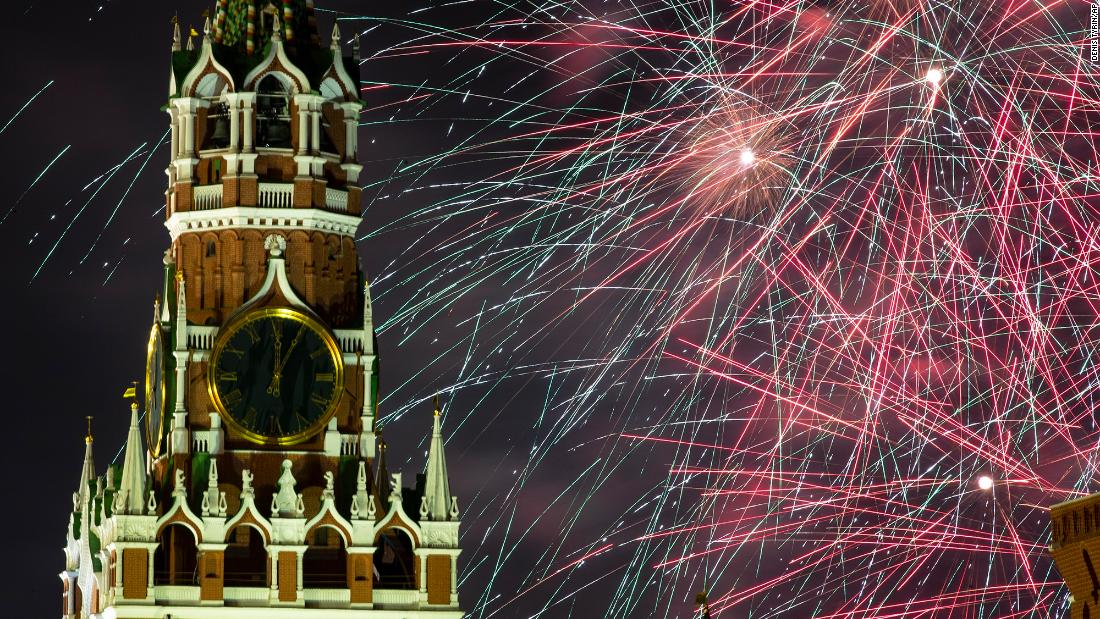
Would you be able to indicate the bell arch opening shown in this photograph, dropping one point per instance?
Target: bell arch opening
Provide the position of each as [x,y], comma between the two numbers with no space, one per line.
[245,558]
[176,559]
[394,561]
[325,563]
[273,113]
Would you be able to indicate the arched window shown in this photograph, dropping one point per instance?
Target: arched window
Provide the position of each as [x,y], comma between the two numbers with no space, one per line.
[393,560]
[245,558]
[325,563]
[175,561]
[272,113]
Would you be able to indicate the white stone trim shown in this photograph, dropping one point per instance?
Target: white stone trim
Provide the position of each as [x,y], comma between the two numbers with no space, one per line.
[261,219]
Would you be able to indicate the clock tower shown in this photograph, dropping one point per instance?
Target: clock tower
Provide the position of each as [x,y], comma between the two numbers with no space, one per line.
[254,482]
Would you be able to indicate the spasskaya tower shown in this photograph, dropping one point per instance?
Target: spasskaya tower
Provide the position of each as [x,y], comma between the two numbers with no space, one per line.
[254,479]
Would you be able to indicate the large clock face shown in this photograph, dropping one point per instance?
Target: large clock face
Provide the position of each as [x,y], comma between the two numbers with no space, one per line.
[154,390]
[275,375]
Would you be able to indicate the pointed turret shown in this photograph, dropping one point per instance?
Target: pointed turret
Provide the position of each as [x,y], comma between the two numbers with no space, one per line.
[131,493]
[437,487]
[176,39]
[336,38]
[87,473]
[85,566]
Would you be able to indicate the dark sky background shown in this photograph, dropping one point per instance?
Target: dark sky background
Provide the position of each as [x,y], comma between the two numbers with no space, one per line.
[79,278]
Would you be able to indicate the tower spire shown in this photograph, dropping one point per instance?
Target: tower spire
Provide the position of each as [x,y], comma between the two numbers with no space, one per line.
[437,487]
[131,493]
[176,34]
[87,473]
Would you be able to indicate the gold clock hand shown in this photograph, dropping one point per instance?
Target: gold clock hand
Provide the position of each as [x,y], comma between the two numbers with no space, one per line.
[276,373]
[276,379]
[293,343]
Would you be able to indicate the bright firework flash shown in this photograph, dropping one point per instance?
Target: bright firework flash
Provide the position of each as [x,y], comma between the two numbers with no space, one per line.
[793,303]
[733,162]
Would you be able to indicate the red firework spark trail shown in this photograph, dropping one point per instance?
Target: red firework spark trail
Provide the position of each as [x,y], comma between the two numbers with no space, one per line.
[826,360]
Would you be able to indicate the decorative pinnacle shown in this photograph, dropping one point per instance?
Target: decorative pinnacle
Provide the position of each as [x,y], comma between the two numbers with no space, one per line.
[336,35]
[206,27]
[435,403]
[88,438]
[176,33]
[156,308]
[276,28]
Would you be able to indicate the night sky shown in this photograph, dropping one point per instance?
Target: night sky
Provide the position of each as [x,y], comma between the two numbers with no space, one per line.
[737,296]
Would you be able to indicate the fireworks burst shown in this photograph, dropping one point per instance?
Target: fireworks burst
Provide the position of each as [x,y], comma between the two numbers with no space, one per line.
[842,270]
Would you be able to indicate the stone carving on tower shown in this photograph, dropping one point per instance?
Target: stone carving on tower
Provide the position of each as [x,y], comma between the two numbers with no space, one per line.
[254,483]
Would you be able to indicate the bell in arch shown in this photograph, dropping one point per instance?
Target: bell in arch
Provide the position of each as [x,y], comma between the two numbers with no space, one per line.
[220,137]
[278,133]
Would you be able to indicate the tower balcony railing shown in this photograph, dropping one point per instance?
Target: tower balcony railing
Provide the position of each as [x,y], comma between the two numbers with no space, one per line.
[336,199]
[208,197]
[201,337]
[340,597]
[247,596]
[271,195]
[330,598]
[176,594]
[276,195]
[396,597]
[351,340]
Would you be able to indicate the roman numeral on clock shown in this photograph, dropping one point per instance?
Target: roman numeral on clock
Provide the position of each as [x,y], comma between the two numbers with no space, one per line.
[232,398]
[319,400]
[227,377]
[250,329]
[324,377]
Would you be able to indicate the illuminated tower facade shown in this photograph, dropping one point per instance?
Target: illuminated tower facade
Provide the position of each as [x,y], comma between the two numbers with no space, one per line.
[254,483]
[1075,546]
